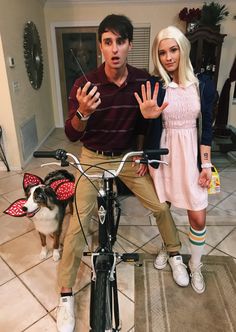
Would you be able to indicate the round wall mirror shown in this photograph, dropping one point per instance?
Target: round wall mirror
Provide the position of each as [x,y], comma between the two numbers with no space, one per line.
[33,55]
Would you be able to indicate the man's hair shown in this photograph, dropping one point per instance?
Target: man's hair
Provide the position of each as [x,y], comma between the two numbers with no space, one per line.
[185,67]
[117,24]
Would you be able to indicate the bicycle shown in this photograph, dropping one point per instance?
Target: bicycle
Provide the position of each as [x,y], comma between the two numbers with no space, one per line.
[104,305]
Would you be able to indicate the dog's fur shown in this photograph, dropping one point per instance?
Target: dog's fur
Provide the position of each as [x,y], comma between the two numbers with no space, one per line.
[47,211]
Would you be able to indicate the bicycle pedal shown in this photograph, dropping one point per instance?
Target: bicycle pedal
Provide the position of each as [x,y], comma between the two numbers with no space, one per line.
[133,257]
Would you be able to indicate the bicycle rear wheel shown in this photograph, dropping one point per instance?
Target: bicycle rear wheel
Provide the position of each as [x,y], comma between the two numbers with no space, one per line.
[102,303]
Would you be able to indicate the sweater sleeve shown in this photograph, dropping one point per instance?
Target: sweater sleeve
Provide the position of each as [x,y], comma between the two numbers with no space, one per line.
[73,105]
[207,102]
[154,132]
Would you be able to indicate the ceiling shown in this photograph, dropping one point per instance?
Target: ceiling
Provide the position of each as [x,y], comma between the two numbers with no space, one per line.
[109,1]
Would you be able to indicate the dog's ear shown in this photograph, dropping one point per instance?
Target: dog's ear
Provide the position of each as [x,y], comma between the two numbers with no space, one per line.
[65,190]
[15,209]
[31,179]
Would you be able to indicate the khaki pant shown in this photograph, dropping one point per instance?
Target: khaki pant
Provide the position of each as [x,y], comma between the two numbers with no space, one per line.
[86,195]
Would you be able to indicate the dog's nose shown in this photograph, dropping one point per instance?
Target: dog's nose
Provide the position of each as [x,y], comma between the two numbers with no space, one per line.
[24,208]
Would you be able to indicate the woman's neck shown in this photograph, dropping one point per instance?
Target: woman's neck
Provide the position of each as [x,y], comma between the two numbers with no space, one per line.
[175,77]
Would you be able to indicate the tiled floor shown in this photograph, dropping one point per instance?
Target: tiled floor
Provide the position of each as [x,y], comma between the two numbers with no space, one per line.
[28,289]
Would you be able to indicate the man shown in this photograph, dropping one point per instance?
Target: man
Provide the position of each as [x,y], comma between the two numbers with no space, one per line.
[106,120]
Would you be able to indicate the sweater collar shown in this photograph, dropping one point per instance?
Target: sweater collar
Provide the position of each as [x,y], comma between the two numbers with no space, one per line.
[103,78]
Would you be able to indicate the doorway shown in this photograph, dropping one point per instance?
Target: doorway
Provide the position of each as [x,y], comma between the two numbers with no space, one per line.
[78,53]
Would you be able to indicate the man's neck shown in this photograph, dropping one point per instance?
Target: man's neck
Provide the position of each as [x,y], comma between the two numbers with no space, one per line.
[117,76]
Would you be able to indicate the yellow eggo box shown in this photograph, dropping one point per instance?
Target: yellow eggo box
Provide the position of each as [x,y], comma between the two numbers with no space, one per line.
[215,182]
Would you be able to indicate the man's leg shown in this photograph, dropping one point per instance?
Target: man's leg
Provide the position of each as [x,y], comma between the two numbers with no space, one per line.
[144,190]
[73,248]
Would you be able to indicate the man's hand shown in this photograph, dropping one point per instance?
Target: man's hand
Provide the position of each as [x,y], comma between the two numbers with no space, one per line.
[205,178]
[88,101]
[148,104]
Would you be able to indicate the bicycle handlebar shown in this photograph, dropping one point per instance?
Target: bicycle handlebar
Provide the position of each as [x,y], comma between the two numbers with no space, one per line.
[58,154]
[62,155]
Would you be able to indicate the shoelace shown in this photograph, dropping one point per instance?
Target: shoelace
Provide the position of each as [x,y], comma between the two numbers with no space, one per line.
[162,252]
[196,273]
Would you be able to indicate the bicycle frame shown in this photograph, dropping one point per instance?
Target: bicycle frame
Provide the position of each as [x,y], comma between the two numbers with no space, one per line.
[104,306]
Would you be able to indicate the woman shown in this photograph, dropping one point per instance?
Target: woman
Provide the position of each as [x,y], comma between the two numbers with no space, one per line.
[181,182]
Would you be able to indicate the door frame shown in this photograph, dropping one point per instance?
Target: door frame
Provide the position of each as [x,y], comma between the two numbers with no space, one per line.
[55,63]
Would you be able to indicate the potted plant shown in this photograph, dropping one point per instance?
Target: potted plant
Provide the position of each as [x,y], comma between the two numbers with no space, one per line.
[212,14]
[191,17]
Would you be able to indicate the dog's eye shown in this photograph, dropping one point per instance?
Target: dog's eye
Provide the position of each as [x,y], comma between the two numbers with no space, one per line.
[39,195]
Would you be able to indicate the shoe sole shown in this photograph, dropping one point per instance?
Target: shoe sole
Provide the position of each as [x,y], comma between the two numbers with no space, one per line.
[197,290]
[159,267]
[181,285]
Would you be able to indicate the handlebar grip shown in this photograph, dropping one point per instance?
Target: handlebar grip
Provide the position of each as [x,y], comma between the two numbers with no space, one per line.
[58,154]
[157,151]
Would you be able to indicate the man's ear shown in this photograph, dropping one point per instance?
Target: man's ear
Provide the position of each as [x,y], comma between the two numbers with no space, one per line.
[100,46]
[130,45]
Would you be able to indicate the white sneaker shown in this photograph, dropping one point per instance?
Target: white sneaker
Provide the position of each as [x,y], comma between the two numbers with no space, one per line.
[197,280]
[66,314]
[161,259]
[180,274]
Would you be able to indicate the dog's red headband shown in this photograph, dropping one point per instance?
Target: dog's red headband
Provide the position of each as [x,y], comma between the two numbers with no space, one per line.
[63,188]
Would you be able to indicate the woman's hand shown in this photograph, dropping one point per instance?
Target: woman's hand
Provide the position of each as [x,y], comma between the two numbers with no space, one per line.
[205,178]
[88,101]
[148,103]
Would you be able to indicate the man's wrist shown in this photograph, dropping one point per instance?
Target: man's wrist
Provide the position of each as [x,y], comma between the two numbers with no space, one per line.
[81,117]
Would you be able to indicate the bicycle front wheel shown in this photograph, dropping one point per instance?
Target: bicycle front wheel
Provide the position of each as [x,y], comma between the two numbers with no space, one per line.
[102,303]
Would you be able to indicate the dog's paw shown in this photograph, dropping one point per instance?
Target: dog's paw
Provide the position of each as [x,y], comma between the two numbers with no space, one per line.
[56,255]
[44,253]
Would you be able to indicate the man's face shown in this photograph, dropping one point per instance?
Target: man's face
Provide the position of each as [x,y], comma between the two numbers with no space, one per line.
[114,49]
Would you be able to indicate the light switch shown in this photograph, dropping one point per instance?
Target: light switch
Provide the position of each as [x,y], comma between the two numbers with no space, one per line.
[11,62]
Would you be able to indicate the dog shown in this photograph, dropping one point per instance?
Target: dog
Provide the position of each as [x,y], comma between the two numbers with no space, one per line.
[46,202]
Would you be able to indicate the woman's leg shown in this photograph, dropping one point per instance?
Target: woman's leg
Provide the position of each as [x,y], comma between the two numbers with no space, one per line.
[197,236]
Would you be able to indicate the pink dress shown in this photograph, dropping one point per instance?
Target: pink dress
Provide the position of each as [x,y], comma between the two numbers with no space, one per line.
[178,182]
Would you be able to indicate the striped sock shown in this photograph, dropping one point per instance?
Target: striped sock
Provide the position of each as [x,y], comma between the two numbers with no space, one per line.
[197,241]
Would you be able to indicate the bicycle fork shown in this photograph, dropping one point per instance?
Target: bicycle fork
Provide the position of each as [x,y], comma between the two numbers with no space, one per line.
[104,293]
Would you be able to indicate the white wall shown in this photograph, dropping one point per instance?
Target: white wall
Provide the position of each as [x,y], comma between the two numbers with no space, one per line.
[19,106]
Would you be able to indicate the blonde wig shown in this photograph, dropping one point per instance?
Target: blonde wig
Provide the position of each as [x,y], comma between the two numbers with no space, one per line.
[186,73]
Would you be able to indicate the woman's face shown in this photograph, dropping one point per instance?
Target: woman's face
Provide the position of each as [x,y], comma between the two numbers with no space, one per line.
[169,55]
